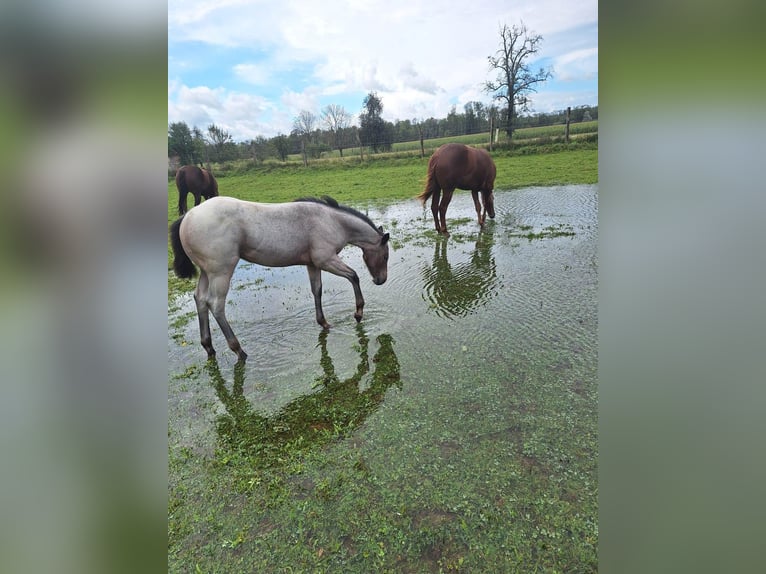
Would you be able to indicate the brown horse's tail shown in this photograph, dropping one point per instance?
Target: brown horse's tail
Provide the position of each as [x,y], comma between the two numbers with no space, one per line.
[182,265]
[431,184]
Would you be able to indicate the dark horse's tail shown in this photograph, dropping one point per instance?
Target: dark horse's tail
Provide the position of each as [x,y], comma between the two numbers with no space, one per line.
[182,265]
[431,183]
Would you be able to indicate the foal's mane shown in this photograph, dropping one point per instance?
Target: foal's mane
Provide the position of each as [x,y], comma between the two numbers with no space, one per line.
[330,202]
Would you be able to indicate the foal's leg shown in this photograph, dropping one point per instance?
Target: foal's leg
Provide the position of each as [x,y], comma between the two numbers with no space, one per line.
[443,210]
[201,299]
[219,287]
[477,204]
[315,277]
[336,266]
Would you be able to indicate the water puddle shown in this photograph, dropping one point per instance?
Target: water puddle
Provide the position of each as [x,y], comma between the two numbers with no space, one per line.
[467,391]
[452,305]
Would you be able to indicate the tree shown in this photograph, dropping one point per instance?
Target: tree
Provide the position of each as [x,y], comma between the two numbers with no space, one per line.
[220,140]
[181,143]
[337,119]
[372,127]
[303,126]
[515,81]
[282,145]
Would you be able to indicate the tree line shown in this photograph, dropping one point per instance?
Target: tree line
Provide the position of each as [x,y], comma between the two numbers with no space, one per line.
[333,129]
[193,146]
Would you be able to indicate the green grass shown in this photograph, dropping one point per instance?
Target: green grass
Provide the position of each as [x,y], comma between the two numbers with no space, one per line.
[313,488]
[395,178]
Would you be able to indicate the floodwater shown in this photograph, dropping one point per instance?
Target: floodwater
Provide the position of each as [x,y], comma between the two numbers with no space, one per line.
[451,305]
[480,344]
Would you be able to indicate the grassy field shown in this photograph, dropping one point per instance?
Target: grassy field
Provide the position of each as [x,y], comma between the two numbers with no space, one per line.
[294,495]
[390,177]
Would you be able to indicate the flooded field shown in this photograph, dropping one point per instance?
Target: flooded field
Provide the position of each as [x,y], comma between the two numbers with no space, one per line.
[453,429]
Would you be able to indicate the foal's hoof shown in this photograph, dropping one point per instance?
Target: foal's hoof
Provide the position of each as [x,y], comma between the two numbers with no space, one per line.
[358,318]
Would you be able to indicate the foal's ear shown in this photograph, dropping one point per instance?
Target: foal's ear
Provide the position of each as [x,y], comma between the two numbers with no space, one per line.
[384,239]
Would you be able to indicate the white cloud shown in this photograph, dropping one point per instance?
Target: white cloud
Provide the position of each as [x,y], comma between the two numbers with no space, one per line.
[577,65]
[421,62]
[256,74]
[245,116]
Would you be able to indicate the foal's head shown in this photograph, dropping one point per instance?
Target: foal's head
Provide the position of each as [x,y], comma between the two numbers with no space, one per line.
[375,256]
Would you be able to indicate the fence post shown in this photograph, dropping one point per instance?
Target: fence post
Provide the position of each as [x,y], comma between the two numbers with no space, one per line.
[566,137]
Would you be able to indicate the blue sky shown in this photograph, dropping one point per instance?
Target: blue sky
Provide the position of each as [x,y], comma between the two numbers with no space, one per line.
[251,66]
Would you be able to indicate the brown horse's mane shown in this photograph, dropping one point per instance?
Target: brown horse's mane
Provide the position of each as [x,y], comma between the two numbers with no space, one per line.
[330,202]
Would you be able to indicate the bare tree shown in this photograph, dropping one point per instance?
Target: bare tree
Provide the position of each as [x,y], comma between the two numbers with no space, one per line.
[337,119]
[515,81]
[303,126]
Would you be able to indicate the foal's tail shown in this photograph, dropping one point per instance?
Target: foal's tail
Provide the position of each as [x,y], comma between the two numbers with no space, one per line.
[182,265]
[431,183]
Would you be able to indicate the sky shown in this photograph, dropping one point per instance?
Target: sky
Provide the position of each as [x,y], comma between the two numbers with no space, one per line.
[251,66]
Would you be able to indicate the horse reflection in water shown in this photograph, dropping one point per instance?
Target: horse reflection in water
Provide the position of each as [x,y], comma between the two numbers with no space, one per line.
[313,419]
[457,290]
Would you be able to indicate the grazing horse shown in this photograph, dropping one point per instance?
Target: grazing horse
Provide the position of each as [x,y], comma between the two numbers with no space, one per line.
[197,181]
[309,231]
[455,165]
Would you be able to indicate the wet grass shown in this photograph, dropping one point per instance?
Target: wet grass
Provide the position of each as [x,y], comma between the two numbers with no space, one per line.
[309,489]
[528,232]
[416,461]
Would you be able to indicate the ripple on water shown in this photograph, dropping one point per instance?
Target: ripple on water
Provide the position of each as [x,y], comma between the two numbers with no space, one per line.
[493,290]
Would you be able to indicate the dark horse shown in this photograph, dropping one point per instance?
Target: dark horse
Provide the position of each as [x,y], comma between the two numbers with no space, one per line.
[197,181]
[455,165]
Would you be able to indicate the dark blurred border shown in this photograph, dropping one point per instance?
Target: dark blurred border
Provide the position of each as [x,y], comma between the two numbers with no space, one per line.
[681,311]
[83,425]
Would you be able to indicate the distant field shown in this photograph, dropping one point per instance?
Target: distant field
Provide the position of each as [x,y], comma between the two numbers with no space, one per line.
[521,137]
[394,178]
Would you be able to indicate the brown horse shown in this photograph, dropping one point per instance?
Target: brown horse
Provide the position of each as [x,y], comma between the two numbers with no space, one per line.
[200,182]
[455,165]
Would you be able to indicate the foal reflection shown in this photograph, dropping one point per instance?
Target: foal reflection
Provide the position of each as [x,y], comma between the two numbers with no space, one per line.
[333,411]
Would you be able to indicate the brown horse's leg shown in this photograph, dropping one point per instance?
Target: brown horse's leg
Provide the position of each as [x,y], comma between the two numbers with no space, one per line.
[443,210]
[197,198]
[181,202]
[477,205]
[315,277]
[435,207]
